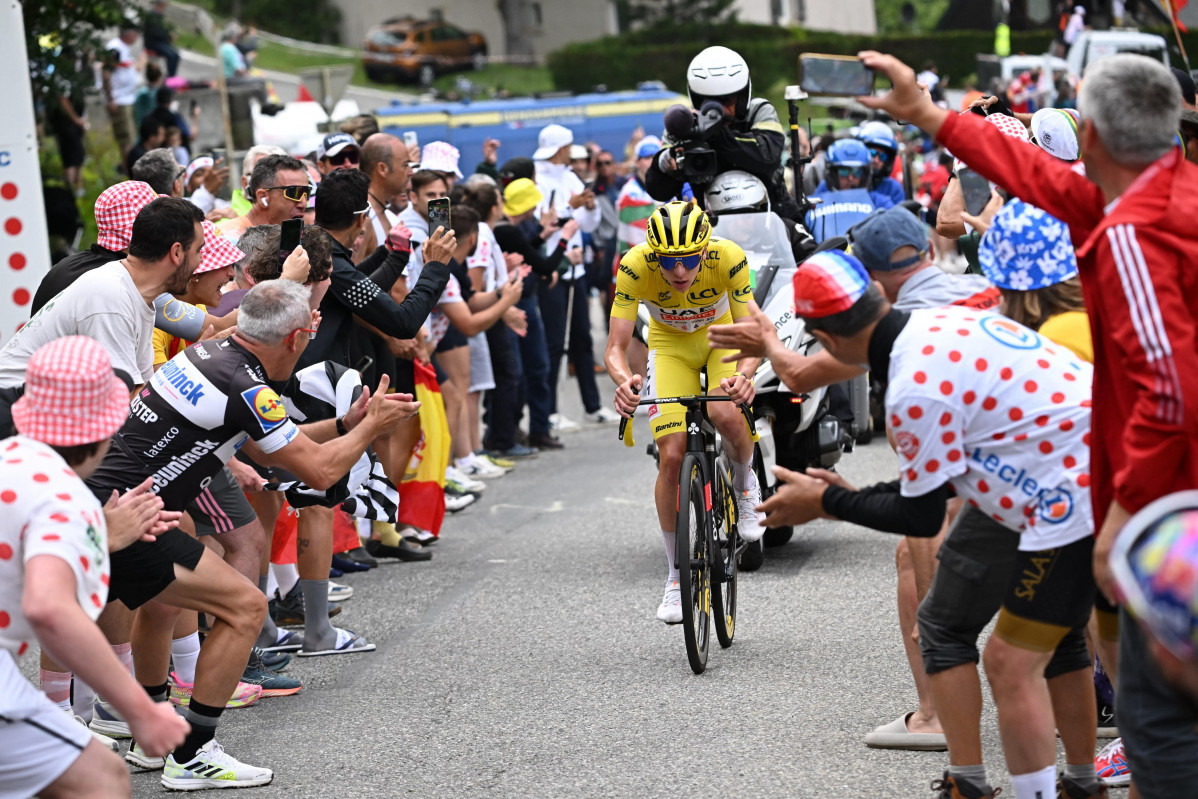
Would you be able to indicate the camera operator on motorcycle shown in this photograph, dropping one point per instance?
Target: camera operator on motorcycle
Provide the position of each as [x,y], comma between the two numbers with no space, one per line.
[690,281]
[844,196]
[883,150]
[728,129]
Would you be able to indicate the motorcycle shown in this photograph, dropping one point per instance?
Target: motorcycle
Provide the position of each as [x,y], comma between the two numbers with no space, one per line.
[796,431]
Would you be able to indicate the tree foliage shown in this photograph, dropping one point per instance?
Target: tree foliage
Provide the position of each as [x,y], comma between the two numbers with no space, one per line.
[64,37]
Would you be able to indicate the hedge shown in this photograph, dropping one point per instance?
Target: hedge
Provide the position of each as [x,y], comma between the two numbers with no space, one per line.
[621,62]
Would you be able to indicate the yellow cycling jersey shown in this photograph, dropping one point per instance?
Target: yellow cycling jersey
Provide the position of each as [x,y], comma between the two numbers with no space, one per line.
[721,285]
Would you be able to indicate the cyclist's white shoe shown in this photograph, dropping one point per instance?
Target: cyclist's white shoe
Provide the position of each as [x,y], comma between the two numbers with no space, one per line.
[212,767]
[749,524]
[670,610]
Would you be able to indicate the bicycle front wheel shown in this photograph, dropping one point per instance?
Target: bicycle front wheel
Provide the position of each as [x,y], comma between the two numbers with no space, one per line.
[723,554]
[694,562]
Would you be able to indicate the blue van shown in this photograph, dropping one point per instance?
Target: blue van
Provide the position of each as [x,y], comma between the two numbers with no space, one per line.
[608,119]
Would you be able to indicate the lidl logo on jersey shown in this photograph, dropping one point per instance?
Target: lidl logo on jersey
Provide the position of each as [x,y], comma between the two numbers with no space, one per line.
[267,406]
[174,375]
[1010,334]
[1053,505]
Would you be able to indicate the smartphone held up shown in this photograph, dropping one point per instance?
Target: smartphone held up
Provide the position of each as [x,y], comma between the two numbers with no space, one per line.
[438,214]
[835,75]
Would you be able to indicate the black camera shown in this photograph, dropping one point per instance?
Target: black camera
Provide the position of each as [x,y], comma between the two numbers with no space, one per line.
[691,128]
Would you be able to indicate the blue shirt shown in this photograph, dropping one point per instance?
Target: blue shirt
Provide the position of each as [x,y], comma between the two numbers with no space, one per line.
[838,212]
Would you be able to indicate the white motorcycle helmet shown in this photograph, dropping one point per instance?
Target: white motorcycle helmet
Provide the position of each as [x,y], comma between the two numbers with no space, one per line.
[719,72]
[737,191]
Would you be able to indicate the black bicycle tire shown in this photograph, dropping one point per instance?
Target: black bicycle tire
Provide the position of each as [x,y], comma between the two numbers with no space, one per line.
[723,594]
[695,588]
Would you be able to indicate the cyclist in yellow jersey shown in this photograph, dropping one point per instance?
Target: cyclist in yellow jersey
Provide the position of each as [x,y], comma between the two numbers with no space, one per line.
[688,279]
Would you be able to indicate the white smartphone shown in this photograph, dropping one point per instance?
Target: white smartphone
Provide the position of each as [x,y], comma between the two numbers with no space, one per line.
[409,138]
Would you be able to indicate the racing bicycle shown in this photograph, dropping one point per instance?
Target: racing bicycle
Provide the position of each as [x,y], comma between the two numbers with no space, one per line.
[707,541]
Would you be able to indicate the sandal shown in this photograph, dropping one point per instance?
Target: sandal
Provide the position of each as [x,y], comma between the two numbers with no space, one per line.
[347,641]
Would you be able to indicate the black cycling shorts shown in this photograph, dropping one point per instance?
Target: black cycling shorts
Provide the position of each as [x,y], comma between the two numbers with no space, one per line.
[143,570]
[452,339]
[1051,593]
[221,506]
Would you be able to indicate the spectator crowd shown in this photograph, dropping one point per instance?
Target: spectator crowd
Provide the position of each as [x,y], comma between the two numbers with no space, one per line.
[248,387]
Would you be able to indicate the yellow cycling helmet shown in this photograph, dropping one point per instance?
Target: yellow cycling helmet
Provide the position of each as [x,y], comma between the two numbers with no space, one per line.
[678,228]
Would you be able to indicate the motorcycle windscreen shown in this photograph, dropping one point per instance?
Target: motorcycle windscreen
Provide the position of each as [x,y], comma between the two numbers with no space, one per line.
[838,212]
[762,235]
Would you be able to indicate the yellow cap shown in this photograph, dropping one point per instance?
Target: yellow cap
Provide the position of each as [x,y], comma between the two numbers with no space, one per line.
[521,196]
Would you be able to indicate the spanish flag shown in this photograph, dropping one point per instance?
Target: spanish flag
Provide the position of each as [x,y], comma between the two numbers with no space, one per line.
[422,492]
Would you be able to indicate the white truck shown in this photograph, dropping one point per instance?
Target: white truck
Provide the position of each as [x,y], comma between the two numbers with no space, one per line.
[1089,46]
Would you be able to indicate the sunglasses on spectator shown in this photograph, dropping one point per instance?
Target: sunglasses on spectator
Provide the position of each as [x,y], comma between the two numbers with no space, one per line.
[605,162]
[876,152]
[182,171]
[344,156]
[311,331]
[297,194]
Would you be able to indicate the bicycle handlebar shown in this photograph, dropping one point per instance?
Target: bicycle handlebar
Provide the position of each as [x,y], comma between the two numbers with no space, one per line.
[693,399]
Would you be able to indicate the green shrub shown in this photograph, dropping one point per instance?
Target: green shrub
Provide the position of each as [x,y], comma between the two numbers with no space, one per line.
[620,62]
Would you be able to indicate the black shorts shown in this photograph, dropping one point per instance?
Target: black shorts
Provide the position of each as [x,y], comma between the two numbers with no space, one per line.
[1051,593]
[221,506]
[452,339]
[143,570]
[70,143]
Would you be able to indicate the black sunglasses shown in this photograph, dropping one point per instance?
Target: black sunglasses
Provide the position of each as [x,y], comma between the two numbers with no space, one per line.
[342,157]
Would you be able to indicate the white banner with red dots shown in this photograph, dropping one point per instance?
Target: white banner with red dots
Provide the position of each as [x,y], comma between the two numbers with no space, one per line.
[24,241]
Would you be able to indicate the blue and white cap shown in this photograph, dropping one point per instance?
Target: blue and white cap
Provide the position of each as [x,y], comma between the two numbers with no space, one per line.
[1026,248]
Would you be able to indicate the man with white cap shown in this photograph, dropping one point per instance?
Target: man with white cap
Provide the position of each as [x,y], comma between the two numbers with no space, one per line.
[566,196]
[337,151]
[54,545]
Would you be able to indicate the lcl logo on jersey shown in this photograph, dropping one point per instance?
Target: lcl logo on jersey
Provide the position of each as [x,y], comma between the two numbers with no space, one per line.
[1010,334]
[1056,505]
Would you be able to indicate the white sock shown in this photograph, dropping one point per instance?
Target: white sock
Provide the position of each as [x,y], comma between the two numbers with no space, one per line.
[83,699]
[743,478]
[287,575]
[185,652]
[1040,784]
[272,583]
[670,540]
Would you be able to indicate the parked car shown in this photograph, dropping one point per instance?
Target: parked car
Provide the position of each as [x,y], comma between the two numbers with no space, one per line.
[406,48]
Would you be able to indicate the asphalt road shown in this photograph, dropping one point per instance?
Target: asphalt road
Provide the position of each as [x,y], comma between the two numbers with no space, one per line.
[524,660]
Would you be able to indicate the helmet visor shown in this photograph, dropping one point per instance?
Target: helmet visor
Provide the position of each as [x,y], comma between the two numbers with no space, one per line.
[690,262]
[858,172]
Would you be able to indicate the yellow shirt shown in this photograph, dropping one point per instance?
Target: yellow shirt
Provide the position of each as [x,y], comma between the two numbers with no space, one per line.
[722,285]
[1071,329]
[167,346]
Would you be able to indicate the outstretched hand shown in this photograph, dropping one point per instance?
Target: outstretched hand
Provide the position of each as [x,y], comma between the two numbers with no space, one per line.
[750,336]
[905,101]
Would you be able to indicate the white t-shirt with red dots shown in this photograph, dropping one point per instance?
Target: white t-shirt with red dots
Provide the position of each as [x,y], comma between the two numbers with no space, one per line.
[45,509]
[1001,413]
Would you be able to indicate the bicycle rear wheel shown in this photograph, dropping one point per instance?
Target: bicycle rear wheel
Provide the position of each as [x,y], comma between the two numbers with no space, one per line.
[723,554]
[694,564]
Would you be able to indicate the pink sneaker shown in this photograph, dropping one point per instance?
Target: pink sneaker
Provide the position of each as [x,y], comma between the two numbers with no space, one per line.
[244,696]
[1112,764]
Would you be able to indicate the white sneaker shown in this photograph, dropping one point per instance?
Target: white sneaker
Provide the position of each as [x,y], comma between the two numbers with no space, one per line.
[212,767]
[603,416]
[464,480]
[137,756]
[749,524]
[480,468]
[561,424]
[670,610]
[339,592]
[453,504]
[104,740]
[106,721]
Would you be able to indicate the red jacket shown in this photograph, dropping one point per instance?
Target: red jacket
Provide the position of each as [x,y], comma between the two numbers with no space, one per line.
[1139,271]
